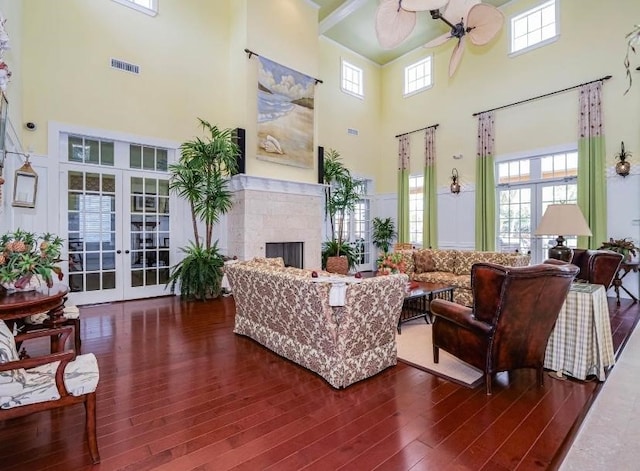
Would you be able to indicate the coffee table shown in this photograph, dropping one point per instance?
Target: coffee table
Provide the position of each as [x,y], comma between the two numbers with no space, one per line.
[417,301]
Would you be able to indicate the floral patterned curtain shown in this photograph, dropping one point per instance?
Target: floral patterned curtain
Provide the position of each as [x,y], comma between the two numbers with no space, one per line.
[404,153]
[592,184]
[430,202]
[485,184]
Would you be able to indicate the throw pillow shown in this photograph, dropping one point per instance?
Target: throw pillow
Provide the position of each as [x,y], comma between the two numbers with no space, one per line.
[423,260]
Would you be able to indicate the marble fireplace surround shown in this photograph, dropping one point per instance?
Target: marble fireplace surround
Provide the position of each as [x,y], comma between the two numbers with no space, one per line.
[270,210]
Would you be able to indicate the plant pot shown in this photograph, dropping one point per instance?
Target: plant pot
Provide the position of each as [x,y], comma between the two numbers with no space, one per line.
[339,265]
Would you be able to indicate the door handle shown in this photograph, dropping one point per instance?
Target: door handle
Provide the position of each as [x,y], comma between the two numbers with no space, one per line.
[118,251]
[126,251]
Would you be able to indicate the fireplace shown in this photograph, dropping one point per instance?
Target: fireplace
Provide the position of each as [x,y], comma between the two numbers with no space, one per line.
[275,211]
[291,252]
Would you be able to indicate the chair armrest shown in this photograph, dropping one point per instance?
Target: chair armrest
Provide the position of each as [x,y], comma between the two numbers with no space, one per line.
[63,332]
[458,314]
[27,363]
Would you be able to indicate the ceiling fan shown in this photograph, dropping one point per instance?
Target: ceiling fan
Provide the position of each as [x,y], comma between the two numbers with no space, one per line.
[396,19]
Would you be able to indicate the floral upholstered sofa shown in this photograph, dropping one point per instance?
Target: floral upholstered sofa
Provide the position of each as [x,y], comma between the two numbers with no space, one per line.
[290,313]
[453,267]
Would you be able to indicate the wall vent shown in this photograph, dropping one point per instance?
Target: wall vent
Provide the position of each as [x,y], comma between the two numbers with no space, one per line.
[126,66]
[352,132]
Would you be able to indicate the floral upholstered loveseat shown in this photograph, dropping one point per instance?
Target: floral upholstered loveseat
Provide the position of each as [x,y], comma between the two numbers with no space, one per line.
[453,267]
[290,313]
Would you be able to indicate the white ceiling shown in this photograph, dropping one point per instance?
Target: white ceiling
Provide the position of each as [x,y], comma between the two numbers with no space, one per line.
[352,24]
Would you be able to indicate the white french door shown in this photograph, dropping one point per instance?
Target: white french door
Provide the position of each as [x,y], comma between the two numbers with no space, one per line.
[525,188]
[117,225]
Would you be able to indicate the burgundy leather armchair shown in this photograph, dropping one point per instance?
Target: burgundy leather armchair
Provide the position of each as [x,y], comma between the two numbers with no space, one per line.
[514,311]
[597,266]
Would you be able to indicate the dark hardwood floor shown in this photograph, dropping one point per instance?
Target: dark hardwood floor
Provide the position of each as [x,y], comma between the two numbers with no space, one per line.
[179,391]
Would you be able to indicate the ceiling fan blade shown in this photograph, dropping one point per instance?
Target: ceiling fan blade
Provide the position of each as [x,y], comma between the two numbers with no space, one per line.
[393,24]
[457,10]
[423,5]
[456,56]
[485,21]
[439,40]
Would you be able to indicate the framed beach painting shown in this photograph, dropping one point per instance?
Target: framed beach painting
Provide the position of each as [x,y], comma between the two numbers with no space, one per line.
[285,115]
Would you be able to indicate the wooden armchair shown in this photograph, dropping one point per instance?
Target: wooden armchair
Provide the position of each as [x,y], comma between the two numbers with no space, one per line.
[514,311]
[59,379]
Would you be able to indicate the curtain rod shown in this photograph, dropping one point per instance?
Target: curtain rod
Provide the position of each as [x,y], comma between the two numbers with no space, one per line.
[418,130]
[543,96]
[251,54]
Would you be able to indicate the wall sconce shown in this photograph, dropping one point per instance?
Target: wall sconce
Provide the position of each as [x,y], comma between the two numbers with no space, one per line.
[455,186]
[25,184]
[623,167]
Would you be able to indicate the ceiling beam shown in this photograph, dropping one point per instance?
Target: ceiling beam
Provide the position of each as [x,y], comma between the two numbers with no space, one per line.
[340,13]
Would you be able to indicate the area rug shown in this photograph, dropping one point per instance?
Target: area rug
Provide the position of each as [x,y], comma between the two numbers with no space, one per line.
[414,348]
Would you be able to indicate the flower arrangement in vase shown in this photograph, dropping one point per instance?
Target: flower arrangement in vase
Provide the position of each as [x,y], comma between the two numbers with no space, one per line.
[25,256]
[391,263]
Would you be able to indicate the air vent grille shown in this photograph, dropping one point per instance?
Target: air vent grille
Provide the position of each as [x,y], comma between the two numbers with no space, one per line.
[126,66]
[352,132]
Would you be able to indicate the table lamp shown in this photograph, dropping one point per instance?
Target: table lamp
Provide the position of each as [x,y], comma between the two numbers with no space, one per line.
[560,220]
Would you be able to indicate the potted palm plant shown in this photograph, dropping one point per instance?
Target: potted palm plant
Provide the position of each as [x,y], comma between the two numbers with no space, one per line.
[343,192]
[201,177]
[384,233]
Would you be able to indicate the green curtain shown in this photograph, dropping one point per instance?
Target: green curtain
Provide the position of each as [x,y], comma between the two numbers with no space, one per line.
[403,188]
[485,185]
[429,195]
[592,182]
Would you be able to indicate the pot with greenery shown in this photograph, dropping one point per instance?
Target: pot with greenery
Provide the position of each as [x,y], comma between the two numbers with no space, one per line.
[27,260]
[201,177]
[384,233]
[342,193]
[623,246]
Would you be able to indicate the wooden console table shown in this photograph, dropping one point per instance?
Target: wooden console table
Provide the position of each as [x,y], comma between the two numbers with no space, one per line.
[18,305]
[623,271]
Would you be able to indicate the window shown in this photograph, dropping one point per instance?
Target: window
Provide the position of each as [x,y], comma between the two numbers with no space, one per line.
[149,7]
[417,76]
[534,27]
[416,213]
[525,188]
[352,80]
[90,151]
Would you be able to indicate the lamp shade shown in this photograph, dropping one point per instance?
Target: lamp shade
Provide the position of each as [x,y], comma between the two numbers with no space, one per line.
[563,219]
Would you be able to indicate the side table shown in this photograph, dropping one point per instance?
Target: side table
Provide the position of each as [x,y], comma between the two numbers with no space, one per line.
[625,268]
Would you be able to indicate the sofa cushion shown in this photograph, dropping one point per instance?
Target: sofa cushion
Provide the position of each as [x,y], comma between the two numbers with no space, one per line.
[466,258]
[423,260]
[444,260]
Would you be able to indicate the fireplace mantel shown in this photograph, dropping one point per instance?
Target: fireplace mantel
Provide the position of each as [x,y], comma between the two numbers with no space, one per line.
[248,182]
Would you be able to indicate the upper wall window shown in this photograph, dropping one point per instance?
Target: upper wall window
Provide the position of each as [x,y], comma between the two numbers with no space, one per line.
[150,7]
[534,27]
[417,76]
[352,79]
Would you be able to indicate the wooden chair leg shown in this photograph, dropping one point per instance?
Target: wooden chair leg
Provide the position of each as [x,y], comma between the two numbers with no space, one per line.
[436,354]
[488,379]
[90,410]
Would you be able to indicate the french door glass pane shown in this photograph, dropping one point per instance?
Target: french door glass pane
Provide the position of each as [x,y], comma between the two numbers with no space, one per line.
[91,225]
[149,222]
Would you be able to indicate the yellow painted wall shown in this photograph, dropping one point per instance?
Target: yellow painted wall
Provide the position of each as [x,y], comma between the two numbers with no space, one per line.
[339,112]
[183,54]
[591,45]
